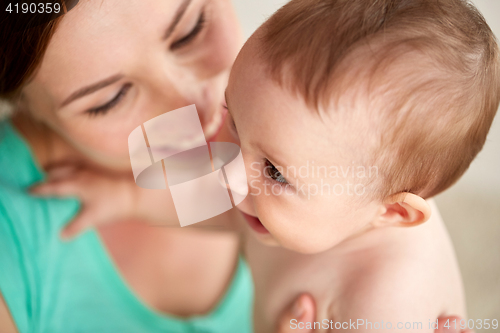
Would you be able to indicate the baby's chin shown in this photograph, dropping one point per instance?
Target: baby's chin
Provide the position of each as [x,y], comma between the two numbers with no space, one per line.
[266,239]
[303,248]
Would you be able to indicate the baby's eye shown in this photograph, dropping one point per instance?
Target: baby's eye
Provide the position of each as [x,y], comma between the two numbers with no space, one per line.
[273,173]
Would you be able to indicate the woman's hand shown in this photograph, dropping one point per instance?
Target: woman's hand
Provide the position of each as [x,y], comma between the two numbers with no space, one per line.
[105,198]
[303,310]
[109,198]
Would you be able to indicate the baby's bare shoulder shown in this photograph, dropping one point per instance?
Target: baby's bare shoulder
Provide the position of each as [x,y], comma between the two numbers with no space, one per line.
[403,278]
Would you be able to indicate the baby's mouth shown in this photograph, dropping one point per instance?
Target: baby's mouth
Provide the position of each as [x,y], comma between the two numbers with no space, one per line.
[255,224]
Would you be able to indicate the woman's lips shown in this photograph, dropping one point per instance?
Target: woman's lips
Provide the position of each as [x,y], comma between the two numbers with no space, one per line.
[216,126]
[255,224]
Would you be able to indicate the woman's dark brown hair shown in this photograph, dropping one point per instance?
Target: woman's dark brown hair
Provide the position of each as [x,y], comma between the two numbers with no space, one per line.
[24,38]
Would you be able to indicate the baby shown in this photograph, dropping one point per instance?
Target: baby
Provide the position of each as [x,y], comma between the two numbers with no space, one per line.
[351,115]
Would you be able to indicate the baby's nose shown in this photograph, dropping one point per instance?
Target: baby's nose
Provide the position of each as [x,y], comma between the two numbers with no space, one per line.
[227,158]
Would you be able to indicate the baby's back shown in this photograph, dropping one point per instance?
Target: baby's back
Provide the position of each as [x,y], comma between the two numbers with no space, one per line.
[399,277]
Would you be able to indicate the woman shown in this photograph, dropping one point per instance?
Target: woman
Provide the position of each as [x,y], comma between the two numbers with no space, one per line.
[107,68]
[79,86]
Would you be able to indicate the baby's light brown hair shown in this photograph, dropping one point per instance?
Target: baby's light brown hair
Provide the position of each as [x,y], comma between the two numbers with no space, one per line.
[428,71]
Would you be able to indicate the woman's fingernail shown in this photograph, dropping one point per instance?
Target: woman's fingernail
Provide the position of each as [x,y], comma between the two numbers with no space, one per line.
[298,308]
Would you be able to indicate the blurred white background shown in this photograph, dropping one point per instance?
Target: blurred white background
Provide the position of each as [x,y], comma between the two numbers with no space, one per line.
[471,208]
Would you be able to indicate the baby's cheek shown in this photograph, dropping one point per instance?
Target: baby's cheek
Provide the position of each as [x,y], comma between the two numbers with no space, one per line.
[247,205]
[311,235]
[286,230]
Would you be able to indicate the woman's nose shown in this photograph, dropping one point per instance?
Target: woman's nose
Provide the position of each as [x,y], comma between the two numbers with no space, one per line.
[168,94]
[168,86]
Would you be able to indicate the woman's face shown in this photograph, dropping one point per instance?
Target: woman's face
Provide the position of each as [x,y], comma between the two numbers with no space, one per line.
[114,64]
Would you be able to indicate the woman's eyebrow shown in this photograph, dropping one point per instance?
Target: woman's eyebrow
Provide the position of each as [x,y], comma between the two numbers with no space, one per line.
[178,16]
[91,88]
[112,79]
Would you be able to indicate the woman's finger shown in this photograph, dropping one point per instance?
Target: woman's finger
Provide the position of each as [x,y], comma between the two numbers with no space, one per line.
[61,172]
[56,189]
[297,315]
[447,325]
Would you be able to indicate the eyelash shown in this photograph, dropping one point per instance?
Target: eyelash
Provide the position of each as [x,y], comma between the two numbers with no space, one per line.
[272,172]
[178,44]
[190,36]
[101,110]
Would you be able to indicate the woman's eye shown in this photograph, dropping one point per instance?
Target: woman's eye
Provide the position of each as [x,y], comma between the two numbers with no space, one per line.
[274,174]
[103,109]
[191,35]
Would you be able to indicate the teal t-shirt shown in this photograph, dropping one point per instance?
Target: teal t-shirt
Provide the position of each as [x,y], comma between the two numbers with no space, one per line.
[52,286]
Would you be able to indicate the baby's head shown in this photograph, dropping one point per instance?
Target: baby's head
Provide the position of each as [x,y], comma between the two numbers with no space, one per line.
[351,112]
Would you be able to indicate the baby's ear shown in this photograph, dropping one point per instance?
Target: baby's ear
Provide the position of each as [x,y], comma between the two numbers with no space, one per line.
[403,210]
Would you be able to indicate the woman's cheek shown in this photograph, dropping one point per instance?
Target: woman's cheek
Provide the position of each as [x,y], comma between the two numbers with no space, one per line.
[223,39]
[109,148]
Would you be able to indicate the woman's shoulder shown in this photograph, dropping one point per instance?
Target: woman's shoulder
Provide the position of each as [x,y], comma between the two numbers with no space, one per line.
[32,219]
[22,215]
[17,164]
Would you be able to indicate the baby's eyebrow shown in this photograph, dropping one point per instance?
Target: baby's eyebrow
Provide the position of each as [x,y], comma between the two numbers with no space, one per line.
[275,161]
